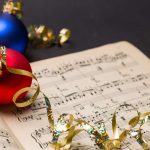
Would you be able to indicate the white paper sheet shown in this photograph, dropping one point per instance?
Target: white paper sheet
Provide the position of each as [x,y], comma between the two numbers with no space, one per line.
[90,85]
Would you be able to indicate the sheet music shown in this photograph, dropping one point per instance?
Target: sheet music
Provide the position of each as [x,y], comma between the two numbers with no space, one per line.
[90,85]
[6,140]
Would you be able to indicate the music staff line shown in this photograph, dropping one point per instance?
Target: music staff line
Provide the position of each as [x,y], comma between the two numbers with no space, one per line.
[103,114]
[64,68]
[38,134]
[99,90]
[100,97]
[92,92]
[82,75]
[35,115]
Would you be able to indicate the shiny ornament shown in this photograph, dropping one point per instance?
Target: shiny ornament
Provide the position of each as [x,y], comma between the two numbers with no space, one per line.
[13,33]
[11,83]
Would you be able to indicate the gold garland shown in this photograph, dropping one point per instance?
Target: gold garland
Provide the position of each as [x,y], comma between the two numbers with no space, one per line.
[69,126]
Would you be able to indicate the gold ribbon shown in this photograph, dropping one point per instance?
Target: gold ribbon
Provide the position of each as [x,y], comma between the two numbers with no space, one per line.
[69,126]
[23,73]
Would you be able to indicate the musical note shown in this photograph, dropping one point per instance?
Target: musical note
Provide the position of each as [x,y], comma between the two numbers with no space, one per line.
[6,140]
[79,64]
[41,136]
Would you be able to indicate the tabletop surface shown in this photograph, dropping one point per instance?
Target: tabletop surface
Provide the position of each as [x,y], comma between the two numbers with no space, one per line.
[92,22]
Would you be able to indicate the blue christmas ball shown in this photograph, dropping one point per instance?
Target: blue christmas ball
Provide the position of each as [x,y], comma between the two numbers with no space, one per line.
[13,33]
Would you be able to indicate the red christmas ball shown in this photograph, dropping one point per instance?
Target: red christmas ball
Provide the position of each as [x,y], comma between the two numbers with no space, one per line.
[11,83]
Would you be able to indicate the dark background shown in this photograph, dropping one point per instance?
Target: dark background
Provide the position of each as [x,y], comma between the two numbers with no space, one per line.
[92,22]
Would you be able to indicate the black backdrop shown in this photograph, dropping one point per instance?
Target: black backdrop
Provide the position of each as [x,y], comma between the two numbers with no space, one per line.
[92,22]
